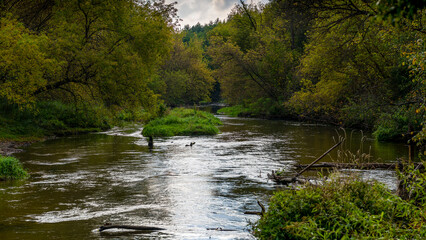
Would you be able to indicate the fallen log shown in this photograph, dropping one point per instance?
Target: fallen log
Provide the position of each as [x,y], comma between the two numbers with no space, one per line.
[143,228]
[323,155]
[279,179]
[257,213]
[286,180]
[221,229]
[358,165]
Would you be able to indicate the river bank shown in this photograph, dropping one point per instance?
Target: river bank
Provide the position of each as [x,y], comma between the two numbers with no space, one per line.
[8,148]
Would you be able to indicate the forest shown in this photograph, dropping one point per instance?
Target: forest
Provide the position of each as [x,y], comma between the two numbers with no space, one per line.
[350,63]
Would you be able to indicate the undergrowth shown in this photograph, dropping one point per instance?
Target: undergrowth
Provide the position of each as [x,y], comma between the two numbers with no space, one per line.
[341,208]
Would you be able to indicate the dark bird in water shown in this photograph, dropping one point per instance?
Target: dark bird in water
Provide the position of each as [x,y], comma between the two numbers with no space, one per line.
[190,145]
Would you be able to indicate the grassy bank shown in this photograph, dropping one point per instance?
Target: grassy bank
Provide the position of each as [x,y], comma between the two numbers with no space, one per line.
[341,208]
[183,122]
[59,119]
[398,123]
[11,169]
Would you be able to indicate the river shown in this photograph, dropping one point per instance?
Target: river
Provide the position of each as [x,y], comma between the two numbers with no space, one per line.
[79,183]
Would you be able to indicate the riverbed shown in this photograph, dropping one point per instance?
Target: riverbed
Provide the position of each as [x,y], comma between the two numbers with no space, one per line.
[79,183]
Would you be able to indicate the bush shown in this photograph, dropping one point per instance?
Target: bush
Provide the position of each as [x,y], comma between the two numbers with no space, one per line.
[341,208]
[183,122]
[399,125]
[11,168]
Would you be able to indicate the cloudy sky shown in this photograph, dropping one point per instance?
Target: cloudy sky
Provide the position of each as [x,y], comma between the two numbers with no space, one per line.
[204,11]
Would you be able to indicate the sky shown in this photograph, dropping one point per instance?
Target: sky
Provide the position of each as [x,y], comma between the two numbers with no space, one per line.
[204,11]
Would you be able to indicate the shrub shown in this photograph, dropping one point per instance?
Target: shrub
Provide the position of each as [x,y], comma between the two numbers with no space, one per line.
[340,208]
[11,168]
[399,125]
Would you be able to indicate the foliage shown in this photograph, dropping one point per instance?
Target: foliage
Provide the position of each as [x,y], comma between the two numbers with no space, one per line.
[24,63]
[182,122]
[11,168]
[234,111]
[263,107]
[403,123]
[251,57]
[102,51]
[51,118]
[340,208]
[184,77]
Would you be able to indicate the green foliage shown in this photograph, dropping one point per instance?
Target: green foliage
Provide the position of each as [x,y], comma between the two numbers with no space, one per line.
[252,56]
[263,107]
[340,208]
[184,77]
[11,168]
[51,118]
[182,122]
[234,111]
[403,123]
[24,63]
[100,51]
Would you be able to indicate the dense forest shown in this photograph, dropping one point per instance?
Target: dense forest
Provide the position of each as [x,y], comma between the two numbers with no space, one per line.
[352,63]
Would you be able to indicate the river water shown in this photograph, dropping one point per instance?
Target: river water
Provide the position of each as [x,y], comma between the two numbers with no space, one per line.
[79,183]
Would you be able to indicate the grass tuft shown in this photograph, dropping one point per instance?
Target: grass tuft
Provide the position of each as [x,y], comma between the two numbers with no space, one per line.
[11,168]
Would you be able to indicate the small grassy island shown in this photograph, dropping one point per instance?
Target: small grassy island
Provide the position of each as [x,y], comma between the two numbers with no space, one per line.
[11,169]
[183,122]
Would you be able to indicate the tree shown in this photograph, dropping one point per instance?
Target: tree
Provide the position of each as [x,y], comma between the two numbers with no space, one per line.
[105,51]
[185,77]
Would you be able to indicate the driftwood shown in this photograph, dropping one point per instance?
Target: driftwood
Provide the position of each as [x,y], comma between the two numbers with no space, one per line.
[143,228]
[286,180]
[257,213]
[358,166]
[221,229]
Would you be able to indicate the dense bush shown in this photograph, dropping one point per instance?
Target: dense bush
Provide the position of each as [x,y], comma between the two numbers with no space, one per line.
[341,208]
[183,122]
[402,124]
[11,168]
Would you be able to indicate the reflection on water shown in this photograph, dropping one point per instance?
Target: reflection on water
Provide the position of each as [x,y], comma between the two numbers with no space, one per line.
[79,183]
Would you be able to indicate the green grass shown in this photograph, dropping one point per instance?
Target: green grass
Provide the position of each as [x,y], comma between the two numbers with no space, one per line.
[341,208]
[50,118]
[11,168]
[182,122]
[263,108]
[233,111]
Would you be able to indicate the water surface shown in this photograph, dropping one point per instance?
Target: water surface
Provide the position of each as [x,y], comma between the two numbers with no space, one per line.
[79,183]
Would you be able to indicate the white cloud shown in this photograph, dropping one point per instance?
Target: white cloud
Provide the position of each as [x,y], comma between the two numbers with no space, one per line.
[204,11]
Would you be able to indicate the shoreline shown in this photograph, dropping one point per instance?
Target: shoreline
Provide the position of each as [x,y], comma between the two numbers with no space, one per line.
[8,148]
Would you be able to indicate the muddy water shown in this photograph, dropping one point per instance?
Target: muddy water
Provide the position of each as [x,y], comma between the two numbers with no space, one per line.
[79,183]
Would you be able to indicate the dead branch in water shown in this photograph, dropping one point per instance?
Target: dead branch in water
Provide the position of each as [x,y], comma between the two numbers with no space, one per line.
[143,228]
[358,165]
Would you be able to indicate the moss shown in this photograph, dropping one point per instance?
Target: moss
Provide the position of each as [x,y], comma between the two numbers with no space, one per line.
[183,122]
[11,168]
